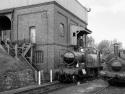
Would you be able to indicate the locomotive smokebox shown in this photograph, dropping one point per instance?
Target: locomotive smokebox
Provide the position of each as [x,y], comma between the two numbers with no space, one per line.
[116,66]
[72,58]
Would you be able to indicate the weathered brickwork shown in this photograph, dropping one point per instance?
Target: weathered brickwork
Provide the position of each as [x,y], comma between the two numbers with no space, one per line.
[14,74]
[16,79]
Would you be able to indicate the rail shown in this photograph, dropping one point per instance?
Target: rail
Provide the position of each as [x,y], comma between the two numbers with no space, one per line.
[101,90]
[39,89]
[30,89]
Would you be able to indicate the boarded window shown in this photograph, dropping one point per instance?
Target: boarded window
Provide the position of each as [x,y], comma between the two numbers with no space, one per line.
[38,57]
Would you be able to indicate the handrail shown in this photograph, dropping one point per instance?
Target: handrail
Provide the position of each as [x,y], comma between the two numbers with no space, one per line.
[8,48]
[31,65]
[23,55]
[20,54]
[27,49]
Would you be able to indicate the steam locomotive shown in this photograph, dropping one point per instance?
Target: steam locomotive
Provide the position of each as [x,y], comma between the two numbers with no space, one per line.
[114,67]
[78,66]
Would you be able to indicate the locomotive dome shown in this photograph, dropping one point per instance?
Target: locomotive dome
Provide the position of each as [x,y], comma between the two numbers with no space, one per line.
[69,55]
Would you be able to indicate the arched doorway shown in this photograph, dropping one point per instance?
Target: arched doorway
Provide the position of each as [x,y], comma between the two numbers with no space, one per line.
[5,27]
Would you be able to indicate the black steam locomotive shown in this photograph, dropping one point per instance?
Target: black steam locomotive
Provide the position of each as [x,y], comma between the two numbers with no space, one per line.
[78,66]
[114,66]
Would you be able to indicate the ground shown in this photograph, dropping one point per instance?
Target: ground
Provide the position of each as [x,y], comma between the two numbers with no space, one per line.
[84,88]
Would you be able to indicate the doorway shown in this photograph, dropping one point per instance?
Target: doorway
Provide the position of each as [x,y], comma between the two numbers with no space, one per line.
[5,28]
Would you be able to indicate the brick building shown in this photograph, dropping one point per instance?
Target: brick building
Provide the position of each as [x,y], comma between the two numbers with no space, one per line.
[51,26]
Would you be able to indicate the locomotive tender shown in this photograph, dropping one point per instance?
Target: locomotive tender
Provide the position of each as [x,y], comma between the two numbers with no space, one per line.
[114,67]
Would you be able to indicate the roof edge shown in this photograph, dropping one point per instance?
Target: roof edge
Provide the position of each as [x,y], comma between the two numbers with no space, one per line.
[81,5]
[10,10]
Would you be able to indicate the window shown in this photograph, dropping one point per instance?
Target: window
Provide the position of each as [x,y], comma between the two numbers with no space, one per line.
[61,28]
[32,31]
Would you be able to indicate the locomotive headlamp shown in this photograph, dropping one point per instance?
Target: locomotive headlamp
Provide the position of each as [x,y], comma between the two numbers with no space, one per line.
[82,50]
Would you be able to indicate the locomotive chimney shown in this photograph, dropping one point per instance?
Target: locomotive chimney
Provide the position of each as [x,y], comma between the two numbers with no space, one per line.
[116,49]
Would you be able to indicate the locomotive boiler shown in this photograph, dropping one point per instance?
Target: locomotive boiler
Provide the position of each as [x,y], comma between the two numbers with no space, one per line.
[73,58]
[114,67]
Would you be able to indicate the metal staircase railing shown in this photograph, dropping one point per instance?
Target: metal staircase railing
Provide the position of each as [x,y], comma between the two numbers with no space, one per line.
[9,48]
[23,59]
[20,53]
[26,48]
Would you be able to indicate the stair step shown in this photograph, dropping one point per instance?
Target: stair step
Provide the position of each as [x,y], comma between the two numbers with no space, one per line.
[24,51]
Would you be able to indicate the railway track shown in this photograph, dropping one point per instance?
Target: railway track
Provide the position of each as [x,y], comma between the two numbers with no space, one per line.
[109,90]
[58,86]
[44,89]
[39,89]
[54,87]
[101,90]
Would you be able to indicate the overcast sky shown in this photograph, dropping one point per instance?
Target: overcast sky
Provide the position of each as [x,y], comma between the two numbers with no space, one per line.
[106,19]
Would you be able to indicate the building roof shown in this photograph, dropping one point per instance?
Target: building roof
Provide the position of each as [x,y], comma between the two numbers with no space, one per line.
[71,5]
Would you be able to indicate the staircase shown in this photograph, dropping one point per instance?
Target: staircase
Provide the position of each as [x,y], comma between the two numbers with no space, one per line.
[23,59]
[8,48]
[26,48]
[22,53]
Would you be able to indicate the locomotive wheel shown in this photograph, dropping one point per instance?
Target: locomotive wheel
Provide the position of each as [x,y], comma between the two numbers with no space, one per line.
[65,78]
[112,82]
[62,78]
[81,76]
